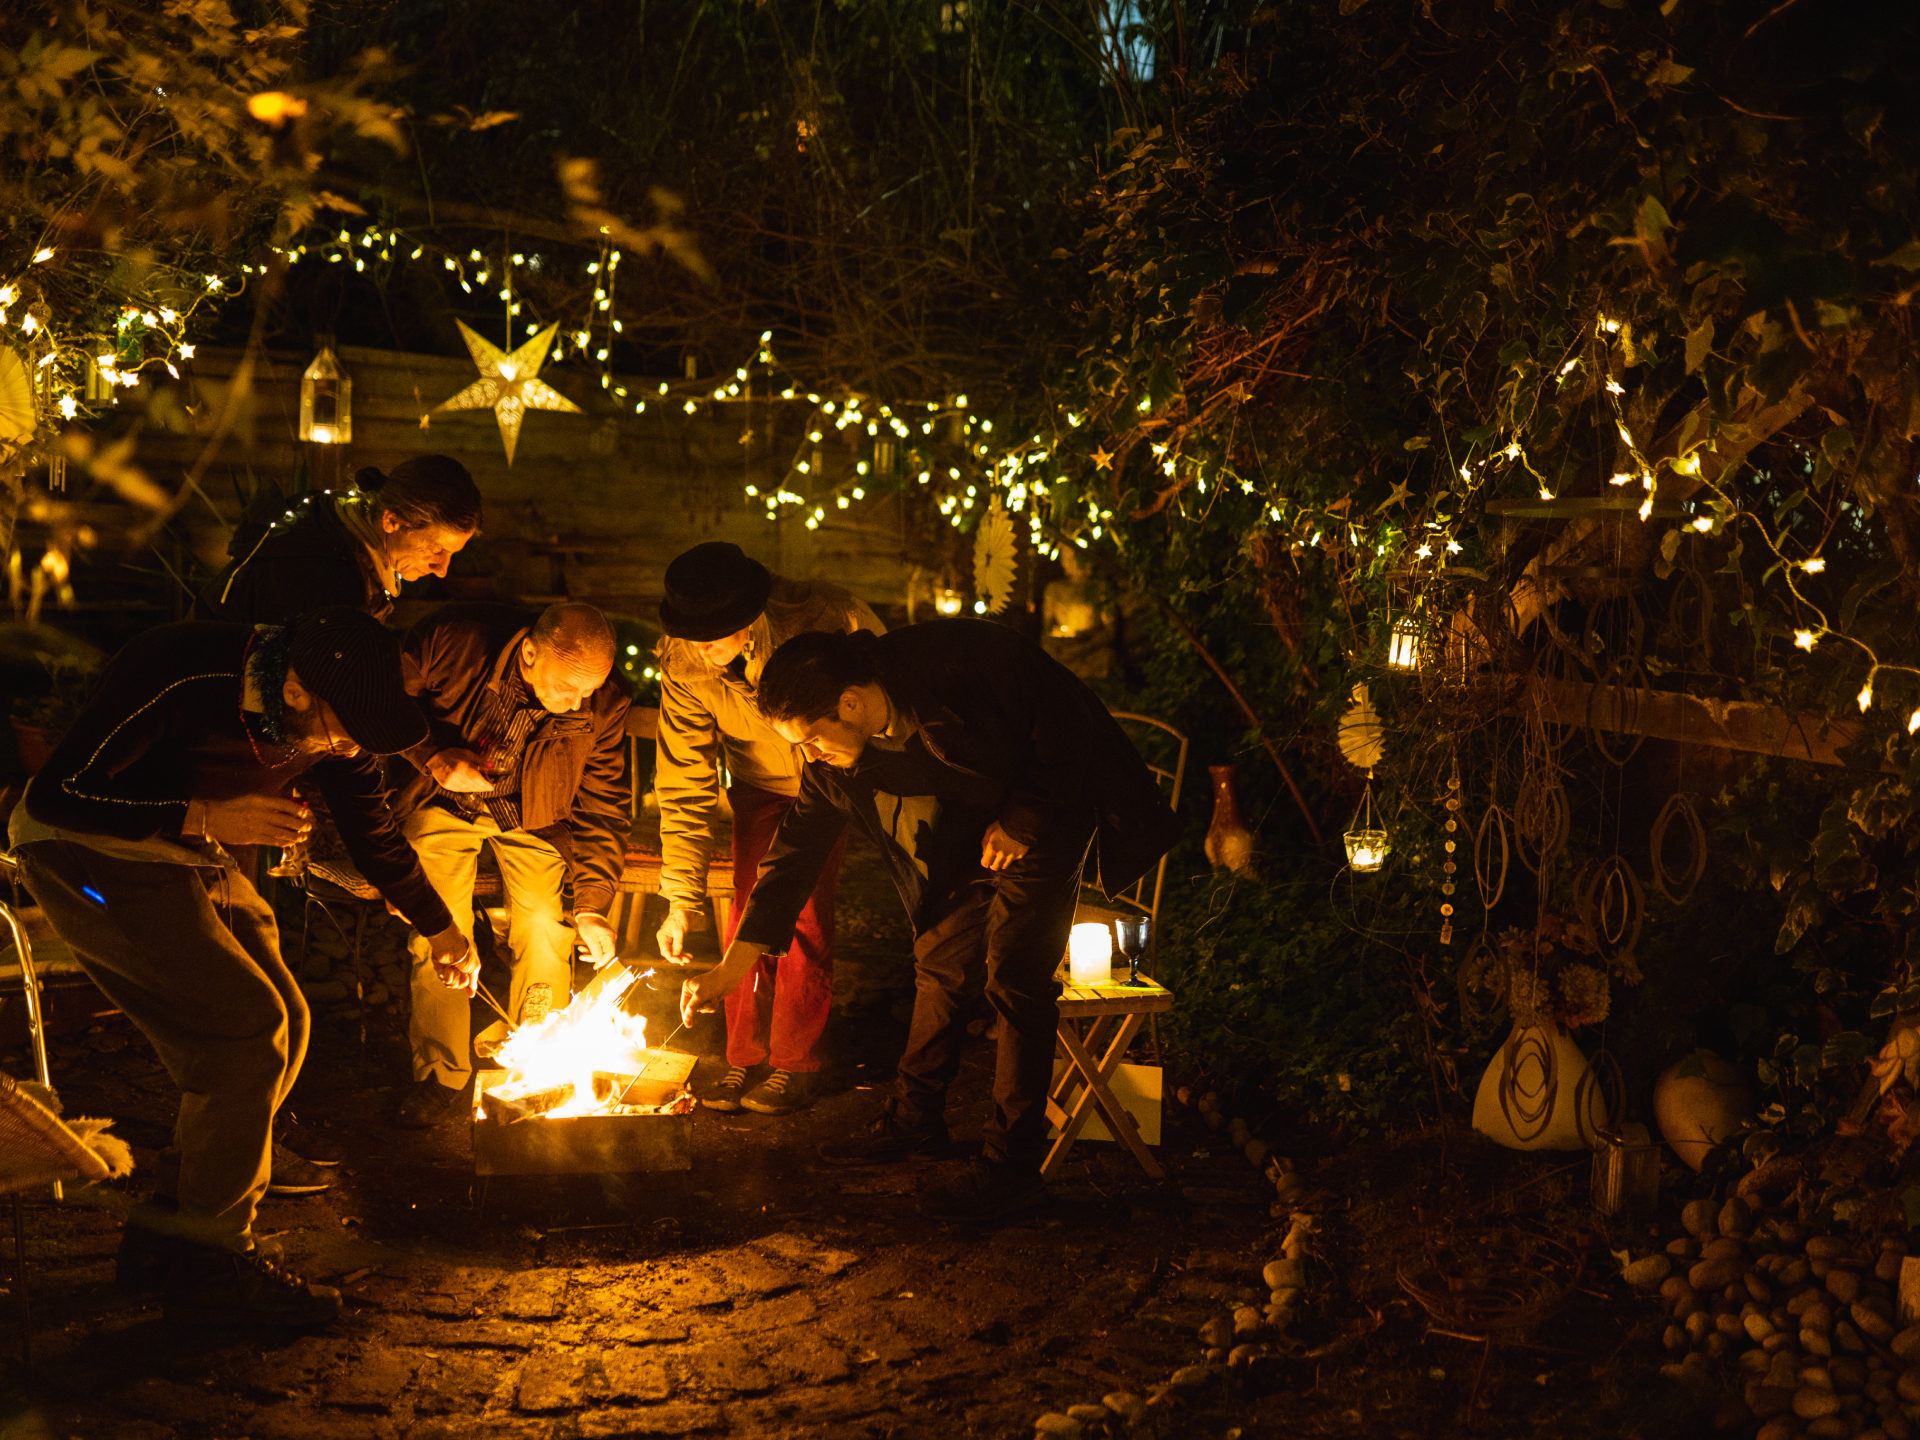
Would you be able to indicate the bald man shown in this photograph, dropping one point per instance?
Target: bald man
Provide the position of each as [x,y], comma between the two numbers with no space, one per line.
[526,753]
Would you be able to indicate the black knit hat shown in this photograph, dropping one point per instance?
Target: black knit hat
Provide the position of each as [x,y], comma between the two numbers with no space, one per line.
[352,661]
[713,590]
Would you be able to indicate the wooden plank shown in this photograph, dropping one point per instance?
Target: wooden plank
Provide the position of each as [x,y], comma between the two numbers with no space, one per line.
[1664,715]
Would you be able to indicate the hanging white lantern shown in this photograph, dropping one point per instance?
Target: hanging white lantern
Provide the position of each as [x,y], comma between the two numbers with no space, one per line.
[1403,644]
[326,402]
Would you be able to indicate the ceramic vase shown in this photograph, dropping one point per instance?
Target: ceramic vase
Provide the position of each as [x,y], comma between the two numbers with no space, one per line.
[1229,842]
[1699,1102]
[1532,1096]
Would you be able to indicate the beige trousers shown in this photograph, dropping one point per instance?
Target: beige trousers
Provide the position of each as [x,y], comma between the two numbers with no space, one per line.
[538,937]
[192,955]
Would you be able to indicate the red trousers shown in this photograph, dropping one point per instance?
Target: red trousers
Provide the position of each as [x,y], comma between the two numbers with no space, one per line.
[778,1011]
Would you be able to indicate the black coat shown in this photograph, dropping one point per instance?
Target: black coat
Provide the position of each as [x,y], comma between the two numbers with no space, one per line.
[165,726]
[306,559]
[1028,743]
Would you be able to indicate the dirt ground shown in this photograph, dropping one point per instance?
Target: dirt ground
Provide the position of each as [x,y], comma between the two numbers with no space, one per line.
[767,1294]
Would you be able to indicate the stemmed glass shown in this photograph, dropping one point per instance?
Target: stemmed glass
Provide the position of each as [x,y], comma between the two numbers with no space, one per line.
[1134,932]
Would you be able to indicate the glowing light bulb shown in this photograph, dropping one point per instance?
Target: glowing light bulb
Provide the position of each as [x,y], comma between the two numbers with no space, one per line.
[1813,566]
[1805,639]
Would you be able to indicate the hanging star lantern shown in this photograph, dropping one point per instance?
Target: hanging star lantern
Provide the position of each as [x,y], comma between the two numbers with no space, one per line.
[1102,460]
[509,384]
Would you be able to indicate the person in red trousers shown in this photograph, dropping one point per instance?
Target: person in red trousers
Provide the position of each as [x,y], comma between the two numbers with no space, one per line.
[724,615]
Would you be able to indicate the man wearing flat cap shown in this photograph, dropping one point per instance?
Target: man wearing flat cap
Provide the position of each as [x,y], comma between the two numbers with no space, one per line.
[191,744]
[724,615]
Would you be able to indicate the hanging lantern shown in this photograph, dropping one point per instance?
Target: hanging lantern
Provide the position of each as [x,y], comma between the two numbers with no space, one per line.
[948,601]
[1403,644]
[1367,844]
[326,402]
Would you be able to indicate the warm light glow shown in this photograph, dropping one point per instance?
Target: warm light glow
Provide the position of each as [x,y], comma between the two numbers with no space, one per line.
[1913,722]
[1090,953]
[41,256]
[1701,523]
[593,1034]
[947,602]
[322,435]
[1620,478]
[1366,849]
[1805,639]
[1865,697]
[1403,643]
[1813,566]
[275,107]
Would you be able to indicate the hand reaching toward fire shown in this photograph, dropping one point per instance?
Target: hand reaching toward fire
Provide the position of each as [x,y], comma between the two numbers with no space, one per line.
[455,962]
[596,934]
[704,994]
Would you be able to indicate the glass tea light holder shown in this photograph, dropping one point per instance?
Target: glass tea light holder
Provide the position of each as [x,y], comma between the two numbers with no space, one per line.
[1367,844]
[1090,954]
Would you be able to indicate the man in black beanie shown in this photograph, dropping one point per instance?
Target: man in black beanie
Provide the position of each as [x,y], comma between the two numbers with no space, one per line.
[190,744]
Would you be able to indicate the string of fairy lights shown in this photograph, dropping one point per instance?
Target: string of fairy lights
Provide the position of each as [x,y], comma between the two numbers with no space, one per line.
[941,448]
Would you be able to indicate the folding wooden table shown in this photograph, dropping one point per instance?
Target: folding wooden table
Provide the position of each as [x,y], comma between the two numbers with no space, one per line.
[1085,1081]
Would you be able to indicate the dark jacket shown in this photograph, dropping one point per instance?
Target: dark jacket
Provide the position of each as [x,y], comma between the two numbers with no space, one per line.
[573,783]
[165,727]
[1027,743]
[306,559]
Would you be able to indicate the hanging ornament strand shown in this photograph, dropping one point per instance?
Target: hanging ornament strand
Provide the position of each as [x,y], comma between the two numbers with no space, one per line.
[1449,867]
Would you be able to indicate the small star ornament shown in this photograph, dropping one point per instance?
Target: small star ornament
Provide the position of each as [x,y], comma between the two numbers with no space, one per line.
[509,384]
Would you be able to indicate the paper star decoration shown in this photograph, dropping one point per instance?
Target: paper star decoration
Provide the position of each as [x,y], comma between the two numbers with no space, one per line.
[993,557]
[1102,460]
[509,384]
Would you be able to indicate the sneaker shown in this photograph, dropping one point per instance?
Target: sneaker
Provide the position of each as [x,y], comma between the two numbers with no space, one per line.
[987,1190]
[781,1093]
[887,1140]
[428,1103]
[212,1286]
[294,1176]
[143,1259]
[314,1148]
[726,1095]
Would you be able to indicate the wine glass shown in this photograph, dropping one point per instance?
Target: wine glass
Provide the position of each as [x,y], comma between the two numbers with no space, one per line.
[1134,932]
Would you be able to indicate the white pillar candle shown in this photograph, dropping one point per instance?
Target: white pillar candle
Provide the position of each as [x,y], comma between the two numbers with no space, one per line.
[1090,953]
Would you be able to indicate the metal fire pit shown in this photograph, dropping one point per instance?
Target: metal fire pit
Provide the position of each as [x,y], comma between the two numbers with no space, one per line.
[591,1144]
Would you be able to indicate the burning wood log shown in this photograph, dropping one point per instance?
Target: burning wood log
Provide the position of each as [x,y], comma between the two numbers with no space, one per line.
[510,1109]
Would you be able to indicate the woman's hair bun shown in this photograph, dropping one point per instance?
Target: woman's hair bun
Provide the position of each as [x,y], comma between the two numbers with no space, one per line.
[368,479]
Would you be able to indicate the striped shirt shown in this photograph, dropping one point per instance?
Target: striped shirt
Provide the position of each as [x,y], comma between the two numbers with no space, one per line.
[510,717]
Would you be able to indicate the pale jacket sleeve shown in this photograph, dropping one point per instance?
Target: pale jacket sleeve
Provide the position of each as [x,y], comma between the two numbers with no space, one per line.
[860,616]
[686,779]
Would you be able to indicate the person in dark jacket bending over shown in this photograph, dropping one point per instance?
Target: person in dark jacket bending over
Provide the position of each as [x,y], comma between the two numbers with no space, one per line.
[352,548]
[189,745]
[526,752]
[984,770]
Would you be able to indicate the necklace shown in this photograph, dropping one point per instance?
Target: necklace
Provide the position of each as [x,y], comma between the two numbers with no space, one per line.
[246,729]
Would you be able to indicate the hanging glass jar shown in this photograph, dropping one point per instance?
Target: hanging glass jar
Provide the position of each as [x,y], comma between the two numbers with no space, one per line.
[326,402]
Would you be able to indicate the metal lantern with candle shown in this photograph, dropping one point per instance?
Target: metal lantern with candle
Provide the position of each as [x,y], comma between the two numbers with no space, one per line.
[1367,844]
[326,402]
[1404,643]
[1090,953]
